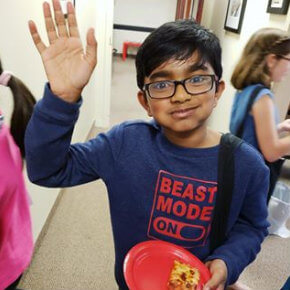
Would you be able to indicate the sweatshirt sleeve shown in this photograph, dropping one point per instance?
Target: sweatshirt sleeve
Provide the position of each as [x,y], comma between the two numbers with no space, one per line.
[51,160]
[245,235]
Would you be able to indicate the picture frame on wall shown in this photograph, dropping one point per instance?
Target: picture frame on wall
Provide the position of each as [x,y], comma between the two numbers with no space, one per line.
[235,14]
[278,6]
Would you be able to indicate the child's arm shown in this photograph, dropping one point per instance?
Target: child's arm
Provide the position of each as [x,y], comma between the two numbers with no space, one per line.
[68,67]
[284,126]
[272,147]
[51,160]
[246,234]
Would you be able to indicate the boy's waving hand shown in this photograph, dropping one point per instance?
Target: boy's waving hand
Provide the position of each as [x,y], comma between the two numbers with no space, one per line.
[68,67]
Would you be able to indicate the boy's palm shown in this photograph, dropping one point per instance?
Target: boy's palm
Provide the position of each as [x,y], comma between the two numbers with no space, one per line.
[67,66]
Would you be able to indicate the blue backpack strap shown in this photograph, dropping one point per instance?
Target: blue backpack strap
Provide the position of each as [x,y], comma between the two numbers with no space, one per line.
[252,97]
[226,178]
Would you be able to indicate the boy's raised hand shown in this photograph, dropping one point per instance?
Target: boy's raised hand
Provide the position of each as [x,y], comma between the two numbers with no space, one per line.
[68,67]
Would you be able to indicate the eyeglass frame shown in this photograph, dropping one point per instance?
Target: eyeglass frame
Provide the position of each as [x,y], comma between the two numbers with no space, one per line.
[283,57]
[182,82]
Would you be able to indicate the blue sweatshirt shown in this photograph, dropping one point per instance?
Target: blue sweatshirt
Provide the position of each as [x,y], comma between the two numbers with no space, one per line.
[156,190]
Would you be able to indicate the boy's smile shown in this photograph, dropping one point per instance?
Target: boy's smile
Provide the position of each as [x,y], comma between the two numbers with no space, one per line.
[183,115]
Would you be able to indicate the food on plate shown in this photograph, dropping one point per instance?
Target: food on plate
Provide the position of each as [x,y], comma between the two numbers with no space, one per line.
[183,277]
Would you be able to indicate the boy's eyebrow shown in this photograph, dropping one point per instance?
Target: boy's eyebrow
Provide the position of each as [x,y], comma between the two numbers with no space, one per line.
[167,74]
[160,74]
[197,66]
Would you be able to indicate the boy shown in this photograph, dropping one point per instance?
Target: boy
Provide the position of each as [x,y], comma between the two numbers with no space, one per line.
[157,172]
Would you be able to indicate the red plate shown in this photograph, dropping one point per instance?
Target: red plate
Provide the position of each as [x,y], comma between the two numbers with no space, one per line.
[148,264]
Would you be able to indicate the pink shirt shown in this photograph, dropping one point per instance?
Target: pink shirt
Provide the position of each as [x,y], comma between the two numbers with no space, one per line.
[16,242]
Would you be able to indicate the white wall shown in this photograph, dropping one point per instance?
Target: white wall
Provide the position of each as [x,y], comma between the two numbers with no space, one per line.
[101,80]
[255,17]
[19,55]
[147,13]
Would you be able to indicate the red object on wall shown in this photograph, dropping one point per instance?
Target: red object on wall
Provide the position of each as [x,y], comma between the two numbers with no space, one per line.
[127,44]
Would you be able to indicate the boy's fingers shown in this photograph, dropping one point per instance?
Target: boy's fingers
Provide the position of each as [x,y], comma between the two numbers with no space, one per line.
[91,49]
[72,21]
[59,19]
[216,282]
[221,287]
[35,36]
[49,24]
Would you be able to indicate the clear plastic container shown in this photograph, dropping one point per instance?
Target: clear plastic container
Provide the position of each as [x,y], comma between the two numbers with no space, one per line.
[279,210]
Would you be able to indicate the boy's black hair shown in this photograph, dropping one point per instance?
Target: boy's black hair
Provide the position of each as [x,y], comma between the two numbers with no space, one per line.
[177,40]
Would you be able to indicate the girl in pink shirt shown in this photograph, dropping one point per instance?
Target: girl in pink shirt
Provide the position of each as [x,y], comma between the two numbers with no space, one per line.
[16,243]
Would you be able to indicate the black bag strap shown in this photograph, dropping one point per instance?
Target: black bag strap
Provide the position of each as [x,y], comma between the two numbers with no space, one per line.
[226,178]
[252,97]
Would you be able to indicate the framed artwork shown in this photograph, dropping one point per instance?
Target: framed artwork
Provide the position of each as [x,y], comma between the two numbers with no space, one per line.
[235,14]
[278,6]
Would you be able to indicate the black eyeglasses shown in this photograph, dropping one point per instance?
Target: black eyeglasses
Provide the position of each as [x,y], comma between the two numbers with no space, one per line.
[195,85]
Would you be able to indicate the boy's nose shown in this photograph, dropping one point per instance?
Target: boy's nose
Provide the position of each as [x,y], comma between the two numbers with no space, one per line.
[180,95]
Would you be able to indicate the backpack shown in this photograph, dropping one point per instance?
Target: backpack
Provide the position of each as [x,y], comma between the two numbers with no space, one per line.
[253,95]
[276,166]
[226,177]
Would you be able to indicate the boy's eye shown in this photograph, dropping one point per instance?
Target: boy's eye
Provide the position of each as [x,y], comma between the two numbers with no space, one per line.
[161,85]
[197,79]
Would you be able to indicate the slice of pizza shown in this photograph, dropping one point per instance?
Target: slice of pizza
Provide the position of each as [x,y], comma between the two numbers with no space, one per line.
[183,277]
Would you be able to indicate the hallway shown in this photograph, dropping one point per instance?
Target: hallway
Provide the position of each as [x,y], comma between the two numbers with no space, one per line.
[75,249]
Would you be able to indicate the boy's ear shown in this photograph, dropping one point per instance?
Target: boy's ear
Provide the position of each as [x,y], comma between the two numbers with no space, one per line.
[218,93]
[144,102]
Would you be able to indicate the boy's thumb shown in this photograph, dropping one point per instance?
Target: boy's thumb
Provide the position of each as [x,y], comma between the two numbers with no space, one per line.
[215,283]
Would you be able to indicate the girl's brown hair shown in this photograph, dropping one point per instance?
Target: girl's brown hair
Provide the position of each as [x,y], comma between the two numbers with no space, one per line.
[252,67]
[23,106]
